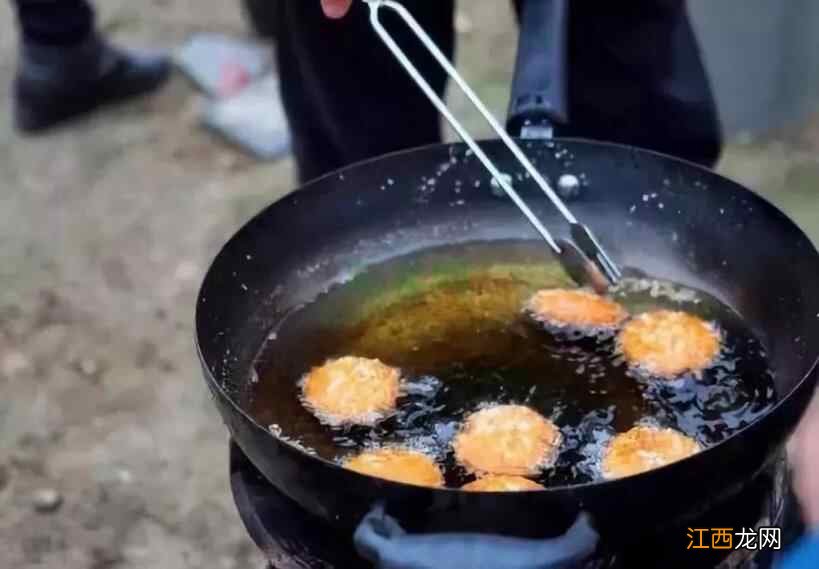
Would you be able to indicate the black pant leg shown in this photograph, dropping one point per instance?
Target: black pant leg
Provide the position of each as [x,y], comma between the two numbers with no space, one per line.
[346,97]
[55,22]
[637,77]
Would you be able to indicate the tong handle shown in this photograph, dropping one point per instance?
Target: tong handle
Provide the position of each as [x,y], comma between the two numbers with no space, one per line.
[539,99]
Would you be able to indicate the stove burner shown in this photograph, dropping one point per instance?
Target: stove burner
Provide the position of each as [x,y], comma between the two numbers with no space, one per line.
[291,538]
[288,536]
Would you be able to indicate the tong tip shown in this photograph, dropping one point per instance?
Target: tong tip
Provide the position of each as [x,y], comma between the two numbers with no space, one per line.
[583,270]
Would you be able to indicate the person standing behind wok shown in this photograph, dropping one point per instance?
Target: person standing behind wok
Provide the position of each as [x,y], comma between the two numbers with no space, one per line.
[804,454]
[67,69]
[636,77]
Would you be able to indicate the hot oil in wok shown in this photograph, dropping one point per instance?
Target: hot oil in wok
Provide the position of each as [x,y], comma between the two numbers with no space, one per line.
[451,319]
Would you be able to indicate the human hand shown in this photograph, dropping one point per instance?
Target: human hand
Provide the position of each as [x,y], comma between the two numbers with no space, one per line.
[336,8]
[804,455]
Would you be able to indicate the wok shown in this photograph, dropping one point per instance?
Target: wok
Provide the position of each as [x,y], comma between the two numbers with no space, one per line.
[672,219]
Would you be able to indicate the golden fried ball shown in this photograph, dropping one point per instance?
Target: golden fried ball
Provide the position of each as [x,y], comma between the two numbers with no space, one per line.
[576,308]
[351,390]
[667,343]
[506,439]
[398,465]
[645,448]
[496,483]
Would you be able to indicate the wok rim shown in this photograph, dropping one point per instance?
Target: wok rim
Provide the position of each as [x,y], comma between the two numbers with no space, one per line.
[565,489]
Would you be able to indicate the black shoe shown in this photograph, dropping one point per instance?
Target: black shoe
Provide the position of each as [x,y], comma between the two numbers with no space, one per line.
[55,84]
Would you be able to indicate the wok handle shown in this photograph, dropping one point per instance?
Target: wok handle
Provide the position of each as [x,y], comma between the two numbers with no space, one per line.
[539,98]
[382,541]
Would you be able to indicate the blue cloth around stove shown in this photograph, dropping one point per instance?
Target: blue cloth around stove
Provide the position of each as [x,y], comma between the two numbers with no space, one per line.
[382,541]
[803,555]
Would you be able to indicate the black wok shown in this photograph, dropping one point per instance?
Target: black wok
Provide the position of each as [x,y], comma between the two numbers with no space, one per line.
[710,234]
[669,218]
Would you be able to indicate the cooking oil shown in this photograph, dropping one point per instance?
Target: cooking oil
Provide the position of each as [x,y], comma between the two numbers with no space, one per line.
[452,320]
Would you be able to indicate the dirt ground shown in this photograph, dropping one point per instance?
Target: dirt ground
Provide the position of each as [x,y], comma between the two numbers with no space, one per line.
[106,228]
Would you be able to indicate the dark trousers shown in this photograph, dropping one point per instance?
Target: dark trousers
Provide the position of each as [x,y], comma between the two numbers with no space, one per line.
[55,22]
[636,77]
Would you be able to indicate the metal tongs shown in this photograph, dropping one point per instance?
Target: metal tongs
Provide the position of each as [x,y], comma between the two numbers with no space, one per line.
[583,258]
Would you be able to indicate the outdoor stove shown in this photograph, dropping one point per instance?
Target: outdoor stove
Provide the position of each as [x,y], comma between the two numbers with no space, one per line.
[291,538]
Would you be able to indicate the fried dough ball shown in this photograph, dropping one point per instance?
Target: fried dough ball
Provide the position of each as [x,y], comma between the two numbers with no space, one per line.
[351,390]
[502,484]
[398,465]
[645,448]
[506,439]
[667,343]
[576,309]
